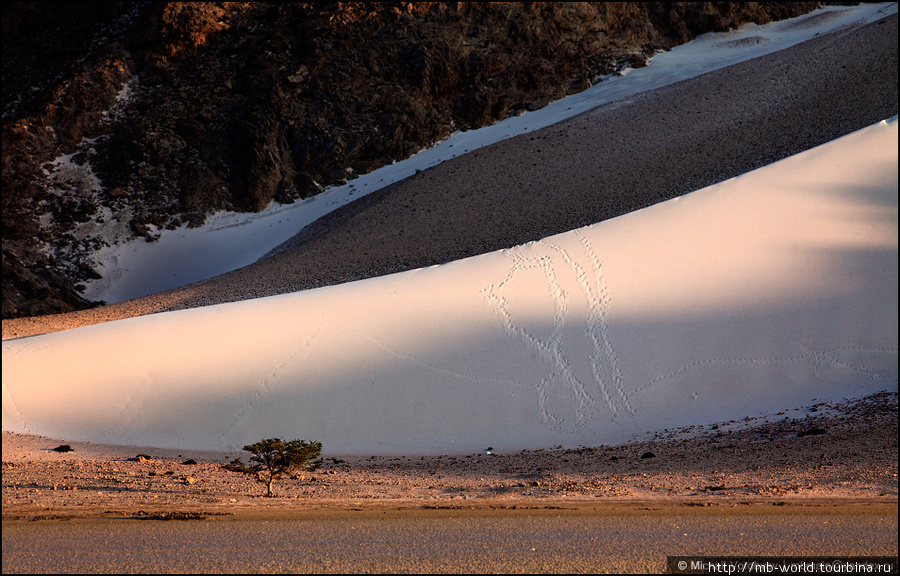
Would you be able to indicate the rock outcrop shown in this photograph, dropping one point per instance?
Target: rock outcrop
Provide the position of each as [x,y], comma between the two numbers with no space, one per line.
[122,119]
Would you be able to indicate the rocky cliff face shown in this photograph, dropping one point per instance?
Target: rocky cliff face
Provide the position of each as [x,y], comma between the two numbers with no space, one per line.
[122,119]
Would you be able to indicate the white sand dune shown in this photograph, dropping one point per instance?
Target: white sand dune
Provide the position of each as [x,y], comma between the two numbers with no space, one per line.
[760,293]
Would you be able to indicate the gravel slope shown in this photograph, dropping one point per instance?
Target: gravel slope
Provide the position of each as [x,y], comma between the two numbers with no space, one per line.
[598,165]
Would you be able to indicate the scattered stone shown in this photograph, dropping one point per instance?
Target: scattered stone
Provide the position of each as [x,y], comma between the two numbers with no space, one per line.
[63,448]
[648,455]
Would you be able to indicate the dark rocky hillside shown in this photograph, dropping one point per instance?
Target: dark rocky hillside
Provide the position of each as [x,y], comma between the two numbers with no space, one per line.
[125,118]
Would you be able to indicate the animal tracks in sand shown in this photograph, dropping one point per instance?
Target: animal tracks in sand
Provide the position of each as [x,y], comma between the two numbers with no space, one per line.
[585,305]
[568,327]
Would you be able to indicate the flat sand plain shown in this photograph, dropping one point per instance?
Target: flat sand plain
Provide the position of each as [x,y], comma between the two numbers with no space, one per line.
[842,453]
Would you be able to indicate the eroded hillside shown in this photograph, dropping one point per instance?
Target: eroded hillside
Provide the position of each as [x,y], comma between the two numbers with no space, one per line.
[122,119]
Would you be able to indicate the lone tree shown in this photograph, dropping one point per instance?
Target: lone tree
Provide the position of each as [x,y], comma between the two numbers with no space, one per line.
[275,457]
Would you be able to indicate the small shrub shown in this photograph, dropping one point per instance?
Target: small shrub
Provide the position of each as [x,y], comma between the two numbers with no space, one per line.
[273,457]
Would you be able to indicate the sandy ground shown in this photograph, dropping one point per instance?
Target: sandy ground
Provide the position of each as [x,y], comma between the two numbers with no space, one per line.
[838,452]
[597,165]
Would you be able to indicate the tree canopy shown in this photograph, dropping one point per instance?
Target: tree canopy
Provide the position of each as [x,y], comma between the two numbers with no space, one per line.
[273,457]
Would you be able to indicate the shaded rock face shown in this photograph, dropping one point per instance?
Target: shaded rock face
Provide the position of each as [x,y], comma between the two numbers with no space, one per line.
[121,119]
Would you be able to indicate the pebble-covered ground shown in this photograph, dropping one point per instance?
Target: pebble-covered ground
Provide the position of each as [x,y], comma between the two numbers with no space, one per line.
[840,451]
